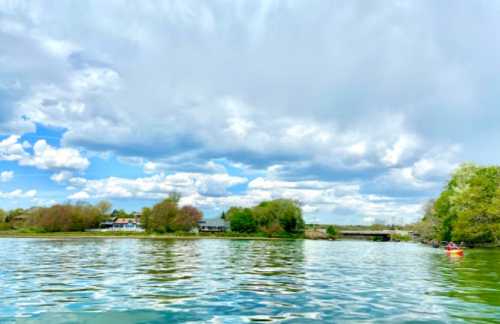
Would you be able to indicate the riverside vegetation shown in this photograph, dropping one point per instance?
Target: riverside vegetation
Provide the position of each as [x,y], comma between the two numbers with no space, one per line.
[468,209]
[276,218]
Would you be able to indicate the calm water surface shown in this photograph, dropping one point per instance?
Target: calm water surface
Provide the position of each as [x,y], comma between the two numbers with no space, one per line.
[229,281]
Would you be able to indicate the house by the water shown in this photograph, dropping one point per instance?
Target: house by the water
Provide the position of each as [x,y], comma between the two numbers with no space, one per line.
[210,225]
[122,224]
[213,225]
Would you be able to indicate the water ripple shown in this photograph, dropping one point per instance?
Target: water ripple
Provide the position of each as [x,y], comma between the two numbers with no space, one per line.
[225,281]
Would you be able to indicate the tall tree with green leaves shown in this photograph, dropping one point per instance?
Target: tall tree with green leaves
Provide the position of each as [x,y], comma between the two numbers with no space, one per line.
[468,209]
[146,219]
[279,216]
[242,220]
[164,213]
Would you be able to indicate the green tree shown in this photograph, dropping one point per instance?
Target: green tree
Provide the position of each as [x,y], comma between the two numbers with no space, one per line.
[4,225]
[174,197]
[331,231]
[475,222]
[163,214]
[279,215]
[12,214]
[271,217]
[146,219]
[494,215]
[468,209]
[429,227]
[241,220]
[166,216]
[3,216]
[104,207]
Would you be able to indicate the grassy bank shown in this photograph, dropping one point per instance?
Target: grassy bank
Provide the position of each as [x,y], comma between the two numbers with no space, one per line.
[139,235]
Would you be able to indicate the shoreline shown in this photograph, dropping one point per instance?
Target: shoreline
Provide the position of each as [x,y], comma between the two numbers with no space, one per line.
[467,247]
[83,235]
[132,235]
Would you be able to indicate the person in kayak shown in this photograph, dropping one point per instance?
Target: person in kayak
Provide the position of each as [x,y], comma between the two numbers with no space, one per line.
[451,246]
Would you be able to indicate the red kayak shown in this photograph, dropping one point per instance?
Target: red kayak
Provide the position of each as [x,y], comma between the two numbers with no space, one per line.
[455,252]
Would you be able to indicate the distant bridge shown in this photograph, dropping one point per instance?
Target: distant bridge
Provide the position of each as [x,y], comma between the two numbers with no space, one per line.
[385,235]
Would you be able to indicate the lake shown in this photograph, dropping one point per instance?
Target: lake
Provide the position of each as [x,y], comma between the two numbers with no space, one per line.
[233,281]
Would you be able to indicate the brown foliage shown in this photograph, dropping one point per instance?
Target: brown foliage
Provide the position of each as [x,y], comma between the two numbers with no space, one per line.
[187,218]
[166,216]
[66,217]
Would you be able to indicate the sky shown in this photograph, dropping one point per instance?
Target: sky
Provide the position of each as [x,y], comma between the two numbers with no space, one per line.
[360,110]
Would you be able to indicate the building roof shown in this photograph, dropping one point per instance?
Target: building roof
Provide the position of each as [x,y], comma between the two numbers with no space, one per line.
[213,222]
[21,217]
[125,221]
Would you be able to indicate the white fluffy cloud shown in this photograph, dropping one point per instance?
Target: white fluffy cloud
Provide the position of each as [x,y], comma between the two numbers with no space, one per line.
[345,200]
[11,149]
[425,174]
[401,149]
[18,194]
[46,156]
[405,178]
[155,187]
[6,176]
[319,198]
[81,195]
[61,177]
[151,167]
[337,111]
[322,91]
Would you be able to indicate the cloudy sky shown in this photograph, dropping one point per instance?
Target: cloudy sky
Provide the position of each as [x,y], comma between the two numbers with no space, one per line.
[360,110]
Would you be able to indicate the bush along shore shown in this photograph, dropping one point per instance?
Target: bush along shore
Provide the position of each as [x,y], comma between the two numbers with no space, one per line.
[142,235]
[467,211]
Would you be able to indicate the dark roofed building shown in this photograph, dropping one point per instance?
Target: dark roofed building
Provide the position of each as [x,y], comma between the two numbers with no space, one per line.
[213,225]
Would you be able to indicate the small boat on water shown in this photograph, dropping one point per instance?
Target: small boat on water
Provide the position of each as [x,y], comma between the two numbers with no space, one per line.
[455,252]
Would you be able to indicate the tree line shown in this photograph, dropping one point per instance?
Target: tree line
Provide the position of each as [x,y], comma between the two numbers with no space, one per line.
[275,217]
[467,210]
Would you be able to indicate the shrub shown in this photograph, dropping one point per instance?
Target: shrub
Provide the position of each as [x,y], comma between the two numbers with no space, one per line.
[331,231]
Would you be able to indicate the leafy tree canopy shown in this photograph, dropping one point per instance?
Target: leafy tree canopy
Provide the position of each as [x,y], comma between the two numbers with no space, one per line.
[468,209]
[242,220]
[271,217]
[167,216]
[331,231]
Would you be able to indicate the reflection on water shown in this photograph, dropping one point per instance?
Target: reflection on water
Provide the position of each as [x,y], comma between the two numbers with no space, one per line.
[129,280]
[472,279]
